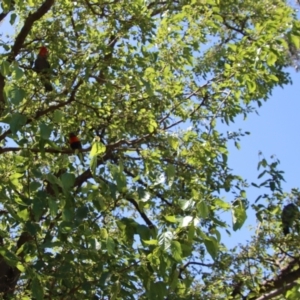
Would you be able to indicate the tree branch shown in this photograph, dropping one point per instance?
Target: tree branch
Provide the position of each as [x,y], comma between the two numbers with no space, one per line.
[283,282]
[88,174]
[276,292]
[46,150]
[141,182]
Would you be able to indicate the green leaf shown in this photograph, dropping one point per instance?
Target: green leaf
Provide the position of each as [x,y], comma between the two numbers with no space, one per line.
[45,131]
[272,58]
[145,197]
[251,87]
[295,40]
[34,186]
[81,213]
[115,290]
[152,125]
[170,172]
[186,204]
[262,174]
[37,289]
[237,145]
[243,194]
[110,245]
[233,47]
[68,214]
[160,179]
[103,234]
[239,215]
[57,116]
[174,142]
[32,228]
[105,277]
[212,247]
[222,204]
[164,239]
[17,122]
[9,256]
[17,95]
[93,164]
[273,77]
[53,207]
[38,208]
[176,251]
[173,279]
[144,232]
[158,290]
[97,149]
[68,181]
[12,19]
[186,221]
[4,68]
[18,73]
[14,178]
[171,219]
[293,293]
[202,209]
[20,267]
[151,242]
[227,67]
[272,186]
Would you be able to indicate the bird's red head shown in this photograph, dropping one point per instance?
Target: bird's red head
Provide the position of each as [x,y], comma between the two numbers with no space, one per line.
[73,137]
[43,51]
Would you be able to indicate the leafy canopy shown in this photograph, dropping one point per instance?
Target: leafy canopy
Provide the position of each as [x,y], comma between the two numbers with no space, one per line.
[144,84]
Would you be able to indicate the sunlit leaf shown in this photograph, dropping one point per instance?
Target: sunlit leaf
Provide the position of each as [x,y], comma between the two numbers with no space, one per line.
[176,250]
[239,215]
[164,240]
[186,221]
[212,247]
[202,209]
[171,219]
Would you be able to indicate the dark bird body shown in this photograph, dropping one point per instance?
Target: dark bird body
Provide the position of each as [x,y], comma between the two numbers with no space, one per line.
[74,141]
[289,214]
[42,66]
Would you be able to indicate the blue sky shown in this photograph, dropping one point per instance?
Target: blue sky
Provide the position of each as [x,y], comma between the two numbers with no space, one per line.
[273,132]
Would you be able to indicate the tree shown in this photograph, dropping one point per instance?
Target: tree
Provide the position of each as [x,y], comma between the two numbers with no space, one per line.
[144,85]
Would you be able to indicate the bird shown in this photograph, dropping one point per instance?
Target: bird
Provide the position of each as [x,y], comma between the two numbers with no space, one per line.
[74,141]
[289,214]
[42,66]
[75,145]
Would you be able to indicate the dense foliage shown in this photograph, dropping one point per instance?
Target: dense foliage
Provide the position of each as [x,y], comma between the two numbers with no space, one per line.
[137,214]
